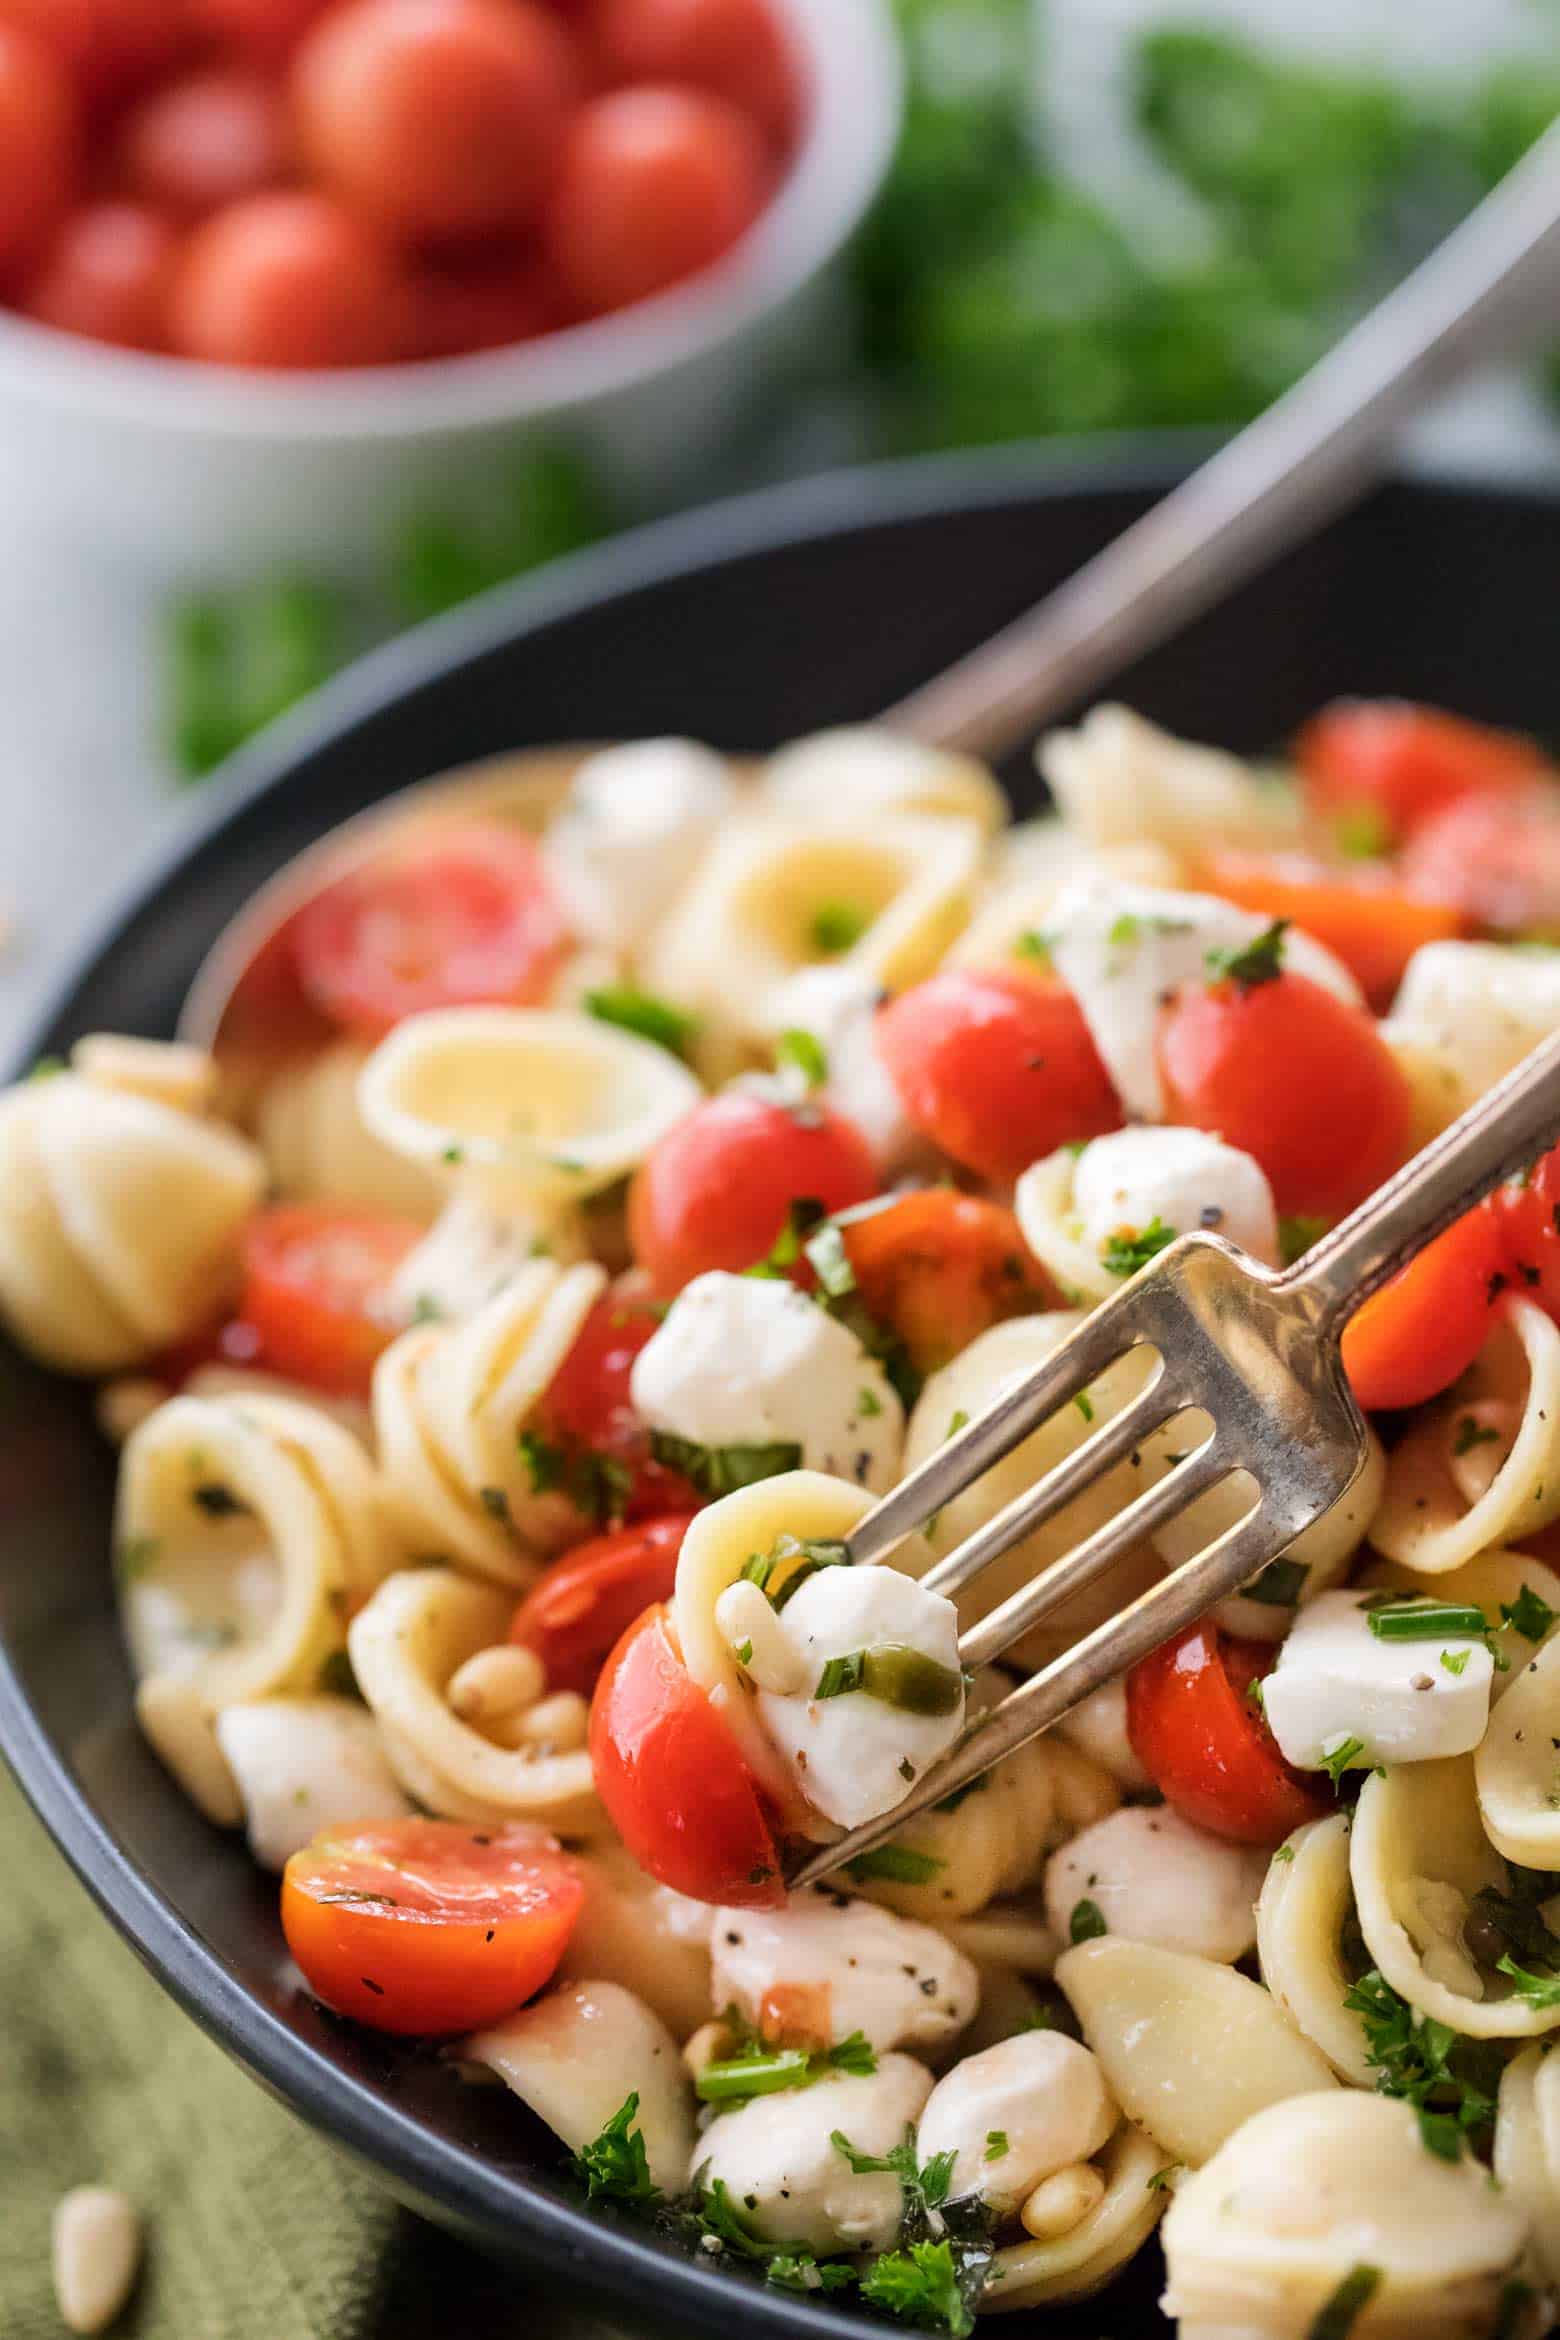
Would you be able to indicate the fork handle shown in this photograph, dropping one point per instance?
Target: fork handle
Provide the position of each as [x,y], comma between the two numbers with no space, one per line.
[1490,285]
[1500,1134]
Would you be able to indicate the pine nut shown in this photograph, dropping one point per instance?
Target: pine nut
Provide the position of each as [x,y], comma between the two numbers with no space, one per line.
[745,1620]
[96,2254]
[707,2046]
[123,1405]
[1063,2201]
[166,1071]
[560,1723]
[173,1717]
[495,1683]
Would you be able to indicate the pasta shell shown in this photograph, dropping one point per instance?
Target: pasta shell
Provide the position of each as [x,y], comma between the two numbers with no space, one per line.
[1119,779]
[872,771]
[1527,2150]
[645,1936]
[1516,1767]
[1302,1909]
[320,1149]
[577,2054]
[1081,2262]
[1323,1551]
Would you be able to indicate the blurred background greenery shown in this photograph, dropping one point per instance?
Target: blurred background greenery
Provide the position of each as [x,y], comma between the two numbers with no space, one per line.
[997,296]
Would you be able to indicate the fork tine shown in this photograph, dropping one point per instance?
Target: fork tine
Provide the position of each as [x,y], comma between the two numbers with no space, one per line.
[1081,1358]
[1052,1493]
[1156,1616]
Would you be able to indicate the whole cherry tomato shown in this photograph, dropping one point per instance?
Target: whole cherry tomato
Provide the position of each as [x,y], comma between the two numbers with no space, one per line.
[40,141]
[1493,859]
[734,48]
[288,280]
[1396,763]
[210,139]
[106,273]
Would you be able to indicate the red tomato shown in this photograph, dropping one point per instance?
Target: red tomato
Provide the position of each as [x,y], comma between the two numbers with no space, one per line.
[485,303]
[1295,1076]
[440,117]
[1495,859]
[207,140]
[586,1603]
[1366,917]
[734,48]
[111,47]
[314,1276]
[1528,1220]
[672,1777]
[996,1067]
[1415,1336]
[288,280]
[654,185]
[1199,1736]
[106,274]
[453,919]
[429,1926]
[266,30]
[939,1268]
[40,136]
[588,1404]
[716,1190]
[1401,762]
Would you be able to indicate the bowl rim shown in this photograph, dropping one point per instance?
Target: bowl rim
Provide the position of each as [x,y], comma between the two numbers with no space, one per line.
[853,65]
[502,2209]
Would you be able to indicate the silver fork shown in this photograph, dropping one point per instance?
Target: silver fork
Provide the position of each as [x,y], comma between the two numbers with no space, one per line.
[1255,1350]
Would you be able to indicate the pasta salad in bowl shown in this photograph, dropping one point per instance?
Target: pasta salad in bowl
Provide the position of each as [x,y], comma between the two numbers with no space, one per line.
[580,1192]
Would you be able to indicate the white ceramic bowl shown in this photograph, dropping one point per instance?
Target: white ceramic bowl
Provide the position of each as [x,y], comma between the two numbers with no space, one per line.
[172,470]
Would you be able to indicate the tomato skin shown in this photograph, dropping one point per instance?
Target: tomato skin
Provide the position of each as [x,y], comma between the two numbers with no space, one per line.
[486,303]
[734,48]
[1365,917]
[1200,1738]
[207,140]
[458,918]
[1403,762]
[585,1603]
[716,1190]
[437,117]
[672,1776]
[40,137]
[1415,1336]
[267,31]
[288,281]
[110,47]
[1527,1220]
[996,1067]
[1294,1076]
[470,1925]
[653,186]
[106,274]
[1494,859]
[589,1406]
[939,1268]
[312,1275]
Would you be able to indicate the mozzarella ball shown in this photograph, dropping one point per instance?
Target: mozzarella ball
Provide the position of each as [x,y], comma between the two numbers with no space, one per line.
[751,1361]
[1097,1727]
[1155,1878]
[1337,1681]
[1184,1178]
[630,834]
[790,2183]
[1480,1006]
[1015,2114]
[303,1764]
[859,1967]
[838,1006]
[855,1755]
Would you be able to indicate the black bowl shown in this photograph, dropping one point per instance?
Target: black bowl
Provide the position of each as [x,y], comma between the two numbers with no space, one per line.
[745,625]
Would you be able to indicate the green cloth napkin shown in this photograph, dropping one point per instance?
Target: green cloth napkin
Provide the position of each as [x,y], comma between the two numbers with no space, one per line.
[255,2229]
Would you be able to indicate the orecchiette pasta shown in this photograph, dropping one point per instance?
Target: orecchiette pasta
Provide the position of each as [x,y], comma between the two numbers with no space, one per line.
[1120,780]
[1517,1765]
[421,1626]
[450,1405]
[577,2055]
[642,1935]
[1491,1583]
[1323,1552]
[869,769]
[303,1764]
[319,1147]
[1527,2150]
[1081,2261]
[120,1220]
[1306,1901]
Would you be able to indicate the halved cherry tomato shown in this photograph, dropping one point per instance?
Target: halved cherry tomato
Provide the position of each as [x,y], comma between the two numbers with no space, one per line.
[1527,1218]
[938,1268]
[111,47]
[585,1604]
[288,279]
[1366,917]
[1401,762]
[734,47]
[451,919]
[996,1067]
[588,1406]
[1199,1735]
[716,1190]
[429,1926]
[1496,859]
[672,1778]
[106,273]
[39,144]
[1415,1336]
[208,139]
[314,1276]
[1294,1076]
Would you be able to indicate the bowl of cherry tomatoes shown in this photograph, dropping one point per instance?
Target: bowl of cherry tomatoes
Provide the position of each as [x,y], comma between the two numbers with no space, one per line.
[274,273]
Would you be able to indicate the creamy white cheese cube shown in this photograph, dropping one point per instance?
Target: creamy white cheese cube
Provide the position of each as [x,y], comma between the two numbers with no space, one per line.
[1153,1877]
[1336,1681]
[1185,1178]
[630,833]
[839,1007]
[789,2182]
[1123,951]
[855,1755]
[865,1969]
[1481,1006]
[1015,2114]
[751,1361]
[303,1764]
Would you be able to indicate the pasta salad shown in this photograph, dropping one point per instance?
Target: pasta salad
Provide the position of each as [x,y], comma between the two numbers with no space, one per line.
[601,1191]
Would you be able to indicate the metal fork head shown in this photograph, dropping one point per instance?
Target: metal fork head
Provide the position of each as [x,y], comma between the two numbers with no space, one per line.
[1234,1343]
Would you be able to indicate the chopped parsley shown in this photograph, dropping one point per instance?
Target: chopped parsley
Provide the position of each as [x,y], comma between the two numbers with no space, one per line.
[1339,1757]
[956,1422]
[1535,1990]
[801,2270]
[835,926]
[830,1261]
[1362,833]
[1455,1661]
[615,2167]
[743,1653]
[597,1484]
[544,1461]
[804,1052]
[1125,1253]
[1471,1434]
[1335,2318]
[1085,1405]
[759,2069]
[1285,1852]
[921,2284]
[925,2184]
[1087,1922]
[721,1470]
[1528,1614]
[717,2216]
[1252,963]
[1450,2081]
[1159,2183]
[641,1013]
[996,2144]
[135,1558]
[1280,1584]
[1031,944]
[894,1864]
[868,1404]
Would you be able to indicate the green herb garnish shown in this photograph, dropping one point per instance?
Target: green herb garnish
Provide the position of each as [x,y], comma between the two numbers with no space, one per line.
[641,1013]
[1337,1760]
[1249,964]
[1087,1922]
[805,1053]
[761,2070]
[894,1864]
[1335,2318]
[836,926]
[614,2167]
[1280,1584]
[1528,1614]
[1124,1254]
[721,1470]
